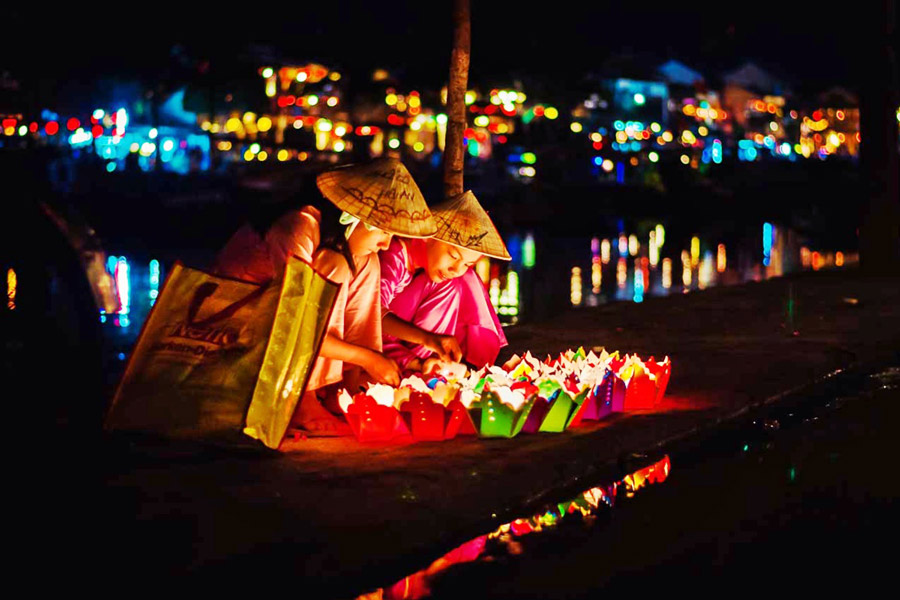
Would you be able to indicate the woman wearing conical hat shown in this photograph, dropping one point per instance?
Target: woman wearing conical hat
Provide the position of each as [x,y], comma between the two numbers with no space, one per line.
[377,199]
[435,304]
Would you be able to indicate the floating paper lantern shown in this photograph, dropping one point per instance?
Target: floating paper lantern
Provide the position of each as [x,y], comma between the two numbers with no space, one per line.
[371,421]
[524,395]
[495,418]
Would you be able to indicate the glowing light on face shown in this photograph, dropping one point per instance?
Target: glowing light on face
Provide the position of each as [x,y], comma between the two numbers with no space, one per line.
[575,287]
[483,269]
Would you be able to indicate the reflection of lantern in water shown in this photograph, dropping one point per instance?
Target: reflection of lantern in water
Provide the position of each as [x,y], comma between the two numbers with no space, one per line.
[154,281]
[805,257]
[509,298]
[667,273]
[660,235]
[685,268]
[768,239]
[575,292]
[528,251]
[604,251]
[622,273]
[494,292]
[638,281]
[596,276]
[817,261]
[623,244]
[633,245]
[839,259]
[595,247]
[653,250]
[721,259]
[695,251]
[11,285]
[123,287]
[705,274]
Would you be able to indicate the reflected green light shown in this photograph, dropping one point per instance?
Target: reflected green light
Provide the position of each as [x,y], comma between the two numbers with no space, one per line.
[528,252]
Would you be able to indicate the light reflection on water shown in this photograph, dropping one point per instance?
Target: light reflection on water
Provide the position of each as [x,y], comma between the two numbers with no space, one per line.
[622,267]
[704,263]
[504,539]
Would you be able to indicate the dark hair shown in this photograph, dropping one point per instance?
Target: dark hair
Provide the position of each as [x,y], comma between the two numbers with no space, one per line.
[331,231]
[268,207]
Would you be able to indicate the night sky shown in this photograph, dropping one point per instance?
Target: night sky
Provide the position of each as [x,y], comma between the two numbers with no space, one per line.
[806,45]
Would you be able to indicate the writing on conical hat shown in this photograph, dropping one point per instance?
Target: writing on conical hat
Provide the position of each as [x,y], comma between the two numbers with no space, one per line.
[463,222]
[382,193]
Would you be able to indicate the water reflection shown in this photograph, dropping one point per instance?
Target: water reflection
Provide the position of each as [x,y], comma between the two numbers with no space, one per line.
[503,540]
[704,263]
[11,285]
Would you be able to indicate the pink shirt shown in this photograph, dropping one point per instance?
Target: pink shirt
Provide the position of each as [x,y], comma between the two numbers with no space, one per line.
[398,266]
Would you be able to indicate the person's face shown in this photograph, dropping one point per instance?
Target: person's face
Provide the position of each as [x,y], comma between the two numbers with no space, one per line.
[448,262]
[363,241]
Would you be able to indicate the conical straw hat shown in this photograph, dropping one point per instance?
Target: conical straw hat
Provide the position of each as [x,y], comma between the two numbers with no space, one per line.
[462,222]
[381,193]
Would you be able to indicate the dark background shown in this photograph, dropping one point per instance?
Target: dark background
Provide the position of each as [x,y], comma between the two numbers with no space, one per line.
[808,45]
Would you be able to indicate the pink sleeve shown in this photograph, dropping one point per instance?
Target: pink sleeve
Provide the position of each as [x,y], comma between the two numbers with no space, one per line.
[296,233]
[394,274]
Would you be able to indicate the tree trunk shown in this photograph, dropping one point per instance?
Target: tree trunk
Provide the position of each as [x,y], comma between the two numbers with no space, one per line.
[456,100]
[879,235]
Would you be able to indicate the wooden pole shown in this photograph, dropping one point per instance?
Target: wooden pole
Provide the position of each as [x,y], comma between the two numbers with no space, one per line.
[456,100]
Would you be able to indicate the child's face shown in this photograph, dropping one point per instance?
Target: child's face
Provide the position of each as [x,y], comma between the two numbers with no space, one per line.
[448,262]
[364,241]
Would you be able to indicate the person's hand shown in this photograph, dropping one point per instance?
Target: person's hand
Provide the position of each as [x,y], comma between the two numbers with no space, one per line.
[383,369]
[446,347]
[432,364]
